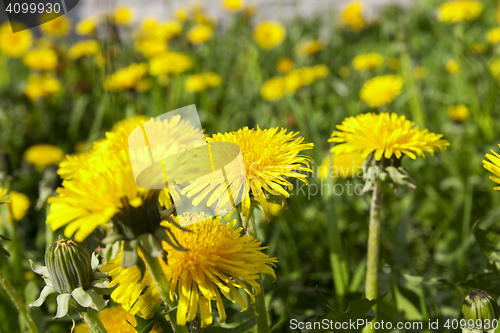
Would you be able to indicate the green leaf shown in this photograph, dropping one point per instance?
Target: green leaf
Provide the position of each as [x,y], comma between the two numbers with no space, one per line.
[239,329]
[144,325]
[356,310]
[489,243]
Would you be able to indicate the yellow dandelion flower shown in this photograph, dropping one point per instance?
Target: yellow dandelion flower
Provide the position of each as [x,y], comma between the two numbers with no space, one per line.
[202,81]
[352,16]
[41,86]
[233,5]
[150,46]
[494,66]
[169,63]
[269,34]
[493,166]
[41,59]
[307,74]
[4,196]
[273,89]
[452,66]
[493,36]
[321,71]
[419,73]
[14,45]
[181,14]
[115,319]
[345,165]
[459,11]
[59,26]
[100,184]
[83,48]
[310,47]
[366,61]
[250,11]
[126,78]
[199,34]
[284,65]
[478,48]
[393,63]
[458,113]
[19,204]
[160,31]
[293,81]
[381,90]
[231,262]
[86,27]
[271,158]
[123,15]
[385,135]
[43,155]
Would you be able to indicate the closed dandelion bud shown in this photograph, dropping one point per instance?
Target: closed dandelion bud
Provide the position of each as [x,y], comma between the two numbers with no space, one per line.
[69,266]
[481,308]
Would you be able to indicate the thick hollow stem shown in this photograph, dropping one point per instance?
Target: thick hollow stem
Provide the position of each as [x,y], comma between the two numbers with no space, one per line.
[371,281]
[18,302]
[92,319]
[260,304]
[160,279]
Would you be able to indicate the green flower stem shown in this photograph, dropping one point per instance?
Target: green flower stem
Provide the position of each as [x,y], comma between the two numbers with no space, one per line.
[371,282]
[92,319]
[160,279]
[18,302]
[260,303]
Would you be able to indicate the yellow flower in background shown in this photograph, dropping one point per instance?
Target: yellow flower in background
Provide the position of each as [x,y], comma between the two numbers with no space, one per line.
[284,65]
[43,155]
[170,63]
[272,159]
[352,16]
[385,135]
[273,89]
[320,71]
[86,27]
[233,5]
[181,14]
[367,61]
[293,81]
[4,196]
[231,262]
[393,63]
[151,47]
[59,26]
[84,48]
[269,34]
[123,15]
[250,11]
[202,81]
[14,45]
[126,78]
[115,319]
[165,31]
[341,165]
[493,36]
[493,166]
[478,48]
[41,86]
[458,113]
[419,73]
[310,47]
[199,34]
[381,90]
[452,66]
[19,205]
[494,66]
[41,59]
[459,11]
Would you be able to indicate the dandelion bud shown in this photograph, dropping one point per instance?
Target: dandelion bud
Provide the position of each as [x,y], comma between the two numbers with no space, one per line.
[69,266]
[479,305]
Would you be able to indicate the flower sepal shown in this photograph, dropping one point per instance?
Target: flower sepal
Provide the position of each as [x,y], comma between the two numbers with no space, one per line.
[389,171]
